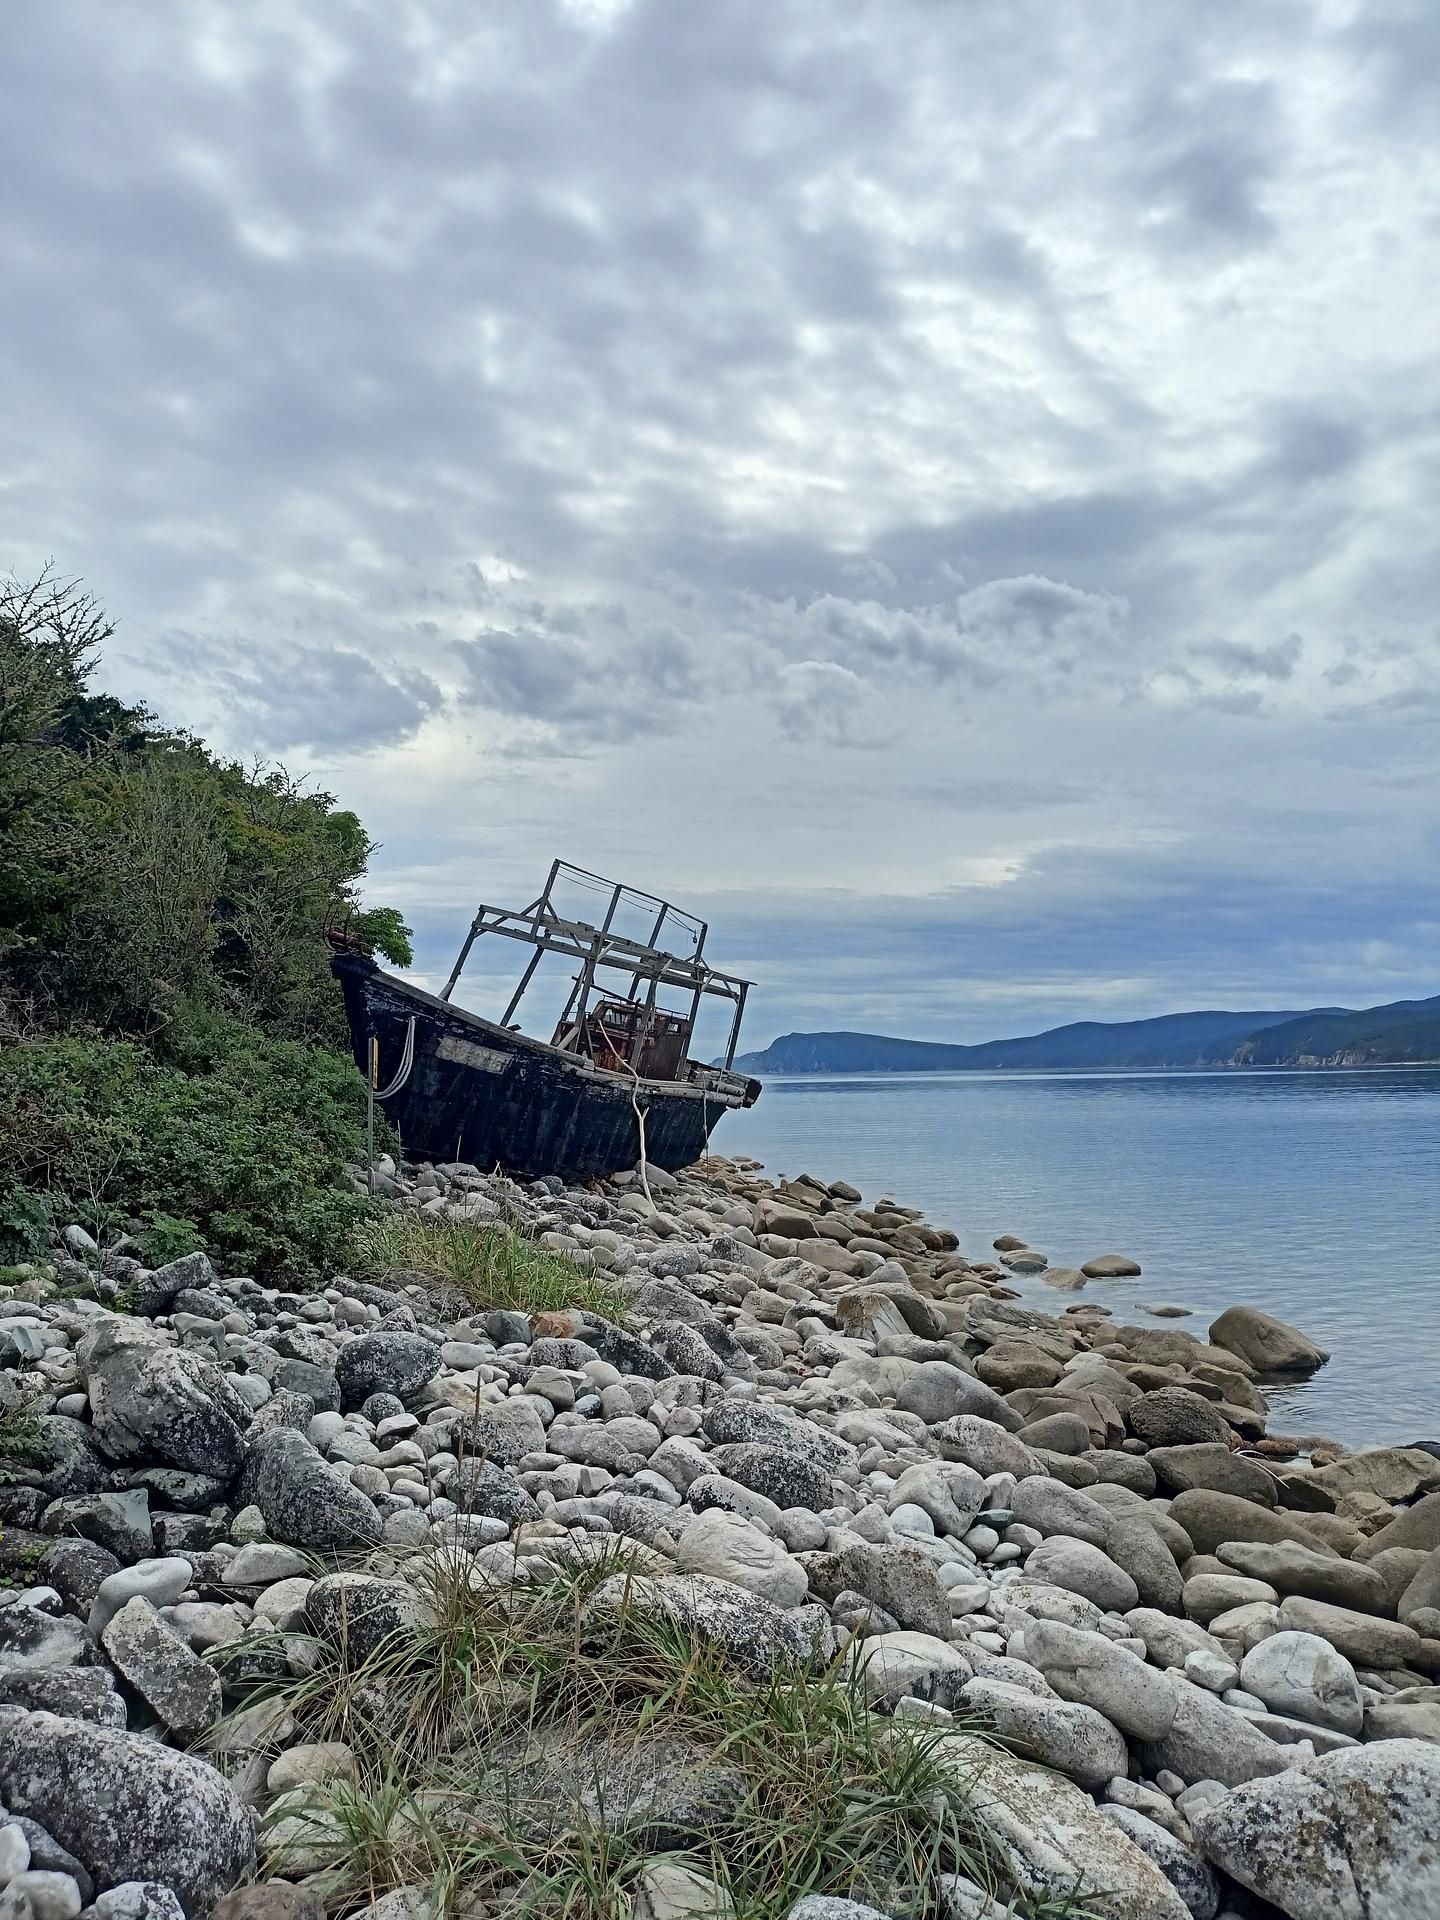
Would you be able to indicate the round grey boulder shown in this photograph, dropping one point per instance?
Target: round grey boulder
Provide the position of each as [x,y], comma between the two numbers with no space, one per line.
[381,1362]
[127,1807]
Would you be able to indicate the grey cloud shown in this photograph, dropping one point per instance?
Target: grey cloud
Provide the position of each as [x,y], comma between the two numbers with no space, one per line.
[595,692]
[819,699]
[1277,661]
[330,700]
[765,381]
[1205,155]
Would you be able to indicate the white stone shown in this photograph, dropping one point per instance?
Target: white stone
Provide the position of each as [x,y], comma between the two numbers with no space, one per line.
[1302,1676]
[729,1548]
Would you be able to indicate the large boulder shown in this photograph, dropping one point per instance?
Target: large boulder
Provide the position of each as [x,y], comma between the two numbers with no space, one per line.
[1059,1733]
[1051,1507]
[305,1503]
[987,1446]
[751,1422]
[1213,1520]
[1052,1838]
[1390,1473]
[1265,1343]
[182,1690]
[780,1473]
[891,1665]
[1210,1741]
[1211,1466]
[1139,1544]
[1291,1568]
[749,1632]
[937,1391]
[901,1581]
[65,1456]
[385,1362]
[358,1614]
[1088,1668]
[1417,1526]
[1301,1675]
[1176,1417]
[503,1433]
[1080,1568]
[726,1545]
[1194,1879]
[1347,1836]
[952,1495]
[127,1807]
[151,1401]
[1420,1602]
[1361,1637]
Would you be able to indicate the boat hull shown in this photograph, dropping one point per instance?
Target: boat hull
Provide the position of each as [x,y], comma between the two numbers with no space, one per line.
[480,1093]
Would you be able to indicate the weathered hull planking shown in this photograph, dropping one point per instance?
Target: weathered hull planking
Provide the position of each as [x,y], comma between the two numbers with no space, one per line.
[477,1091]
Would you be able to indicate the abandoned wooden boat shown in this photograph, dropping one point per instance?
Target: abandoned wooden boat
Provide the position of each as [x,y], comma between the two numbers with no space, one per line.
[459,1087]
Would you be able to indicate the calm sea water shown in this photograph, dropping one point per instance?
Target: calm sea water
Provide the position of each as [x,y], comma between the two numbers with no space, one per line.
[1313,1195]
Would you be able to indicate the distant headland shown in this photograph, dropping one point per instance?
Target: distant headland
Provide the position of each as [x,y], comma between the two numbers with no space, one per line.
[1404,1033]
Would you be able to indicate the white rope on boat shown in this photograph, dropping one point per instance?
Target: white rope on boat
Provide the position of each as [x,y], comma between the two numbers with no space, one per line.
[407,1061]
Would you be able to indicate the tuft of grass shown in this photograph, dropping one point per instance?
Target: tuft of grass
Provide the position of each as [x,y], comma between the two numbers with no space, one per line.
[483,1745]
[490,1267]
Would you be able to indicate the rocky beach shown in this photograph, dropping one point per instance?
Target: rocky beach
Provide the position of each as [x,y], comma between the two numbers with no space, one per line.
[377,1598]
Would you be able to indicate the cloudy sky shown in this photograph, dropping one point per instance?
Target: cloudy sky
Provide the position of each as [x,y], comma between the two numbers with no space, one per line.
[950,488]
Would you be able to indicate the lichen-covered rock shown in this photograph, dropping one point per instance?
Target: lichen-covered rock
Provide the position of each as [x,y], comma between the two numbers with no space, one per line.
[181,1690]
[750,1632]
[1176,1417]
[384,1362]
[1346,1836]
[358,1613]
[149,1400]
[1192,1878]
[780,1473]
[125,1806]
[305,1502]
[902,1581]
[1052,1837]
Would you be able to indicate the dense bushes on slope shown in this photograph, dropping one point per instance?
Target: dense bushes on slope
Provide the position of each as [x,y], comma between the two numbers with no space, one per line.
[170,1037]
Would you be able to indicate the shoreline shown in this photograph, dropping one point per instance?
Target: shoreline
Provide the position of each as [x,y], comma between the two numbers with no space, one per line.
[1062,1551]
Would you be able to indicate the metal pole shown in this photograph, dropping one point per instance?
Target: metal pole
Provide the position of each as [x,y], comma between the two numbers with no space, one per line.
[525,979]
[371,1082]
[735,1029]
[654,936]
[470,939]
[587,980]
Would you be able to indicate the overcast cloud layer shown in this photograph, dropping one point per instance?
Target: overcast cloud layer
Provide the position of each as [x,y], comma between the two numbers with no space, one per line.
[950,490]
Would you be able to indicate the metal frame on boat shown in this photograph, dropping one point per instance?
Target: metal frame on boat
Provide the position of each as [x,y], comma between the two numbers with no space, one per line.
[465,1088]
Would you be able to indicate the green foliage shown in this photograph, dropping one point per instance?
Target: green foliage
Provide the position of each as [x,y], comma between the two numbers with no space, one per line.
[173,1058]
[143,880]
[244,1149]
[26,1222]
[491,1268]
[482,1739]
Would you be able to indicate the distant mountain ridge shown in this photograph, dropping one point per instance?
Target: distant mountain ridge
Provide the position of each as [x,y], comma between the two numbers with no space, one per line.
[1405,1032]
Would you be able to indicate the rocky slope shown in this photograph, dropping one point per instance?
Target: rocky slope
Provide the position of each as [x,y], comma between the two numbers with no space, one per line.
[1165,1663]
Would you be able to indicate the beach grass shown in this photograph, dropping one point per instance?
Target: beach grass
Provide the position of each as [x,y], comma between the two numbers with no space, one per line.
[489,1265]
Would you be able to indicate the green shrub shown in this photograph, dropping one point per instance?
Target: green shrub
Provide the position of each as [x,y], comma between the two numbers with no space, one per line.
[492,1268]
[244,1147]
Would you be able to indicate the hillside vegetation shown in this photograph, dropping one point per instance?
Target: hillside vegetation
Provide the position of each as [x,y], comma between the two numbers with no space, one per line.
[170,1038]
[1407,1031]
